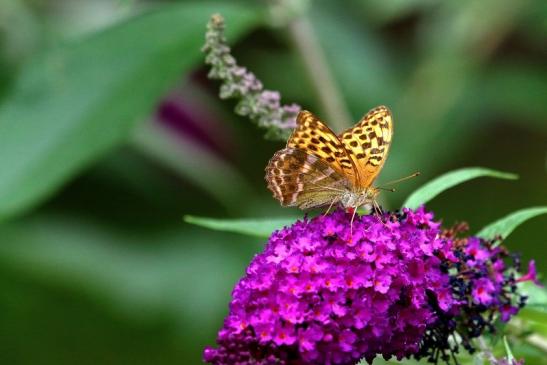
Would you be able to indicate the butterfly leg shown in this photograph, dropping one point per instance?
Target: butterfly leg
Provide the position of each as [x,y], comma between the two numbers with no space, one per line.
[378,211]
[377,208]
[330,206]
[351,224]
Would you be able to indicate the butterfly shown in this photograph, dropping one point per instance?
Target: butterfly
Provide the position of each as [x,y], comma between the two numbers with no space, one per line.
[319,168]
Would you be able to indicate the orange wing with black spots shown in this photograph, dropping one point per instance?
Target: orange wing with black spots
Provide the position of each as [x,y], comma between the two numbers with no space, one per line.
[315,138]
[367,144]
[318,168]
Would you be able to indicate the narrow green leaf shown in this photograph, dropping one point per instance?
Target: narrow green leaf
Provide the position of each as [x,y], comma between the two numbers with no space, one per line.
[253,227]
[537,296]
[538,314]
[451,179]
[535,312]
[73,103]
[506,225]
[535,321]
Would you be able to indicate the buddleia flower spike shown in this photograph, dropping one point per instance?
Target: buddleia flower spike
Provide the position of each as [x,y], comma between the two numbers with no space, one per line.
[260,105]
[400,288]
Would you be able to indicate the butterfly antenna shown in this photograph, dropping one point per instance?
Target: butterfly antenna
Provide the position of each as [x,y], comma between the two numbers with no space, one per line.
[330,206]
[399,180]
[391,190]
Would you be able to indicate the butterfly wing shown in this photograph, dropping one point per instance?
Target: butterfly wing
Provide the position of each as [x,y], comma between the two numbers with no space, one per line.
[367,144]
[315,138]
[297,178]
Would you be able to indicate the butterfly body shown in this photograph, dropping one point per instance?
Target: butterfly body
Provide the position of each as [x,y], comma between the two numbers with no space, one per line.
[319,168]
[354,199]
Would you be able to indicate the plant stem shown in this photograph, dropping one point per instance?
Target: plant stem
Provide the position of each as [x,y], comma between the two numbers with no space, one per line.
[309,49]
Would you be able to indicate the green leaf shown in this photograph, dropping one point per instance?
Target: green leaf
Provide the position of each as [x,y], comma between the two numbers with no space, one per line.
[451,179]
[74,103]
[253,227]
[535,312]
[506,225]
[537,296]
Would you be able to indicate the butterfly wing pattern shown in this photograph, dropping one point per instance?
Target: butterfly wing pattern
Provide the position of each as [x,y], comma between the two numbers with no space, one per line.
[317,167]
[367,144]
[314,137]
[297,178]
[310,171]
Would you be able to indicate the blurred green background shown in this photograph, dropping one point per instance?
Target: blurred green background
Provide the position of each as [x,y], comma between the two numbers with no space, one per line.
[110,133]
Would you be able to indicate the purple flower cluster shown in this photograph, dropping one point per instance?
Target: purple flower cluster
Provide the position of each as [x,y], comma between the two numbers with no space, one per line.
[318,295]
[398,286]
[484,288]
[262,106]
[486,276]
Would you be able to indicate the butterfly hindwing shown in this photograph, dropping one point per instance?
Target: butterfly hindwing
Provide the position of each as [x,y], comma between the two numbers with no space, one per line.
[367,144]
[298,178]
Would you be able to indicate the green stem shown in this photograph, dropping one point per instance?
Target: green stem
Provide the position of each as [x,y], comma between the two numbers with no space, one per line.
[309,49]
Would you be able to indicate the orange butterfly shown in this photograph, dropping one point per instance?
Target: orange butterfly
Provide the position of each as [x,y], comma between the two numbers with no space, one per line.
[319,168]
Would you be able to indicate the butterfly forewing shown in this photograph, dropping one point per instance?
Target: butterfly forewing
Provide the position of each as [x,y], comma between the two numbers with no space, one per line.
[367,144]
[298,178]
[314,137]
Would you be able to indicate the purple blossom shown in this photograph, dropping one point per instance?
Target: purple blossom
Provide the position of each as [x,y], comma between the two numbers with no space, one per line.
[507,311]
[483,291]
[476,251]
[400,286]
[317,297]
[531,275]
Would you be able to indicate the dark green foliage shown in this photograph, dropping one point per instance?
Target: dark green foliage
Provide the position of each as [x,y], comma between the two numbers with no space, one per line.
[96,263]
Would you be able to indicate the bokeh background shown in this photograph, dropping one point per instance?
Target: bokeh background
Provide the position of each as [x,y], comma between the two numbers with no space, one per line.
[110,133]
